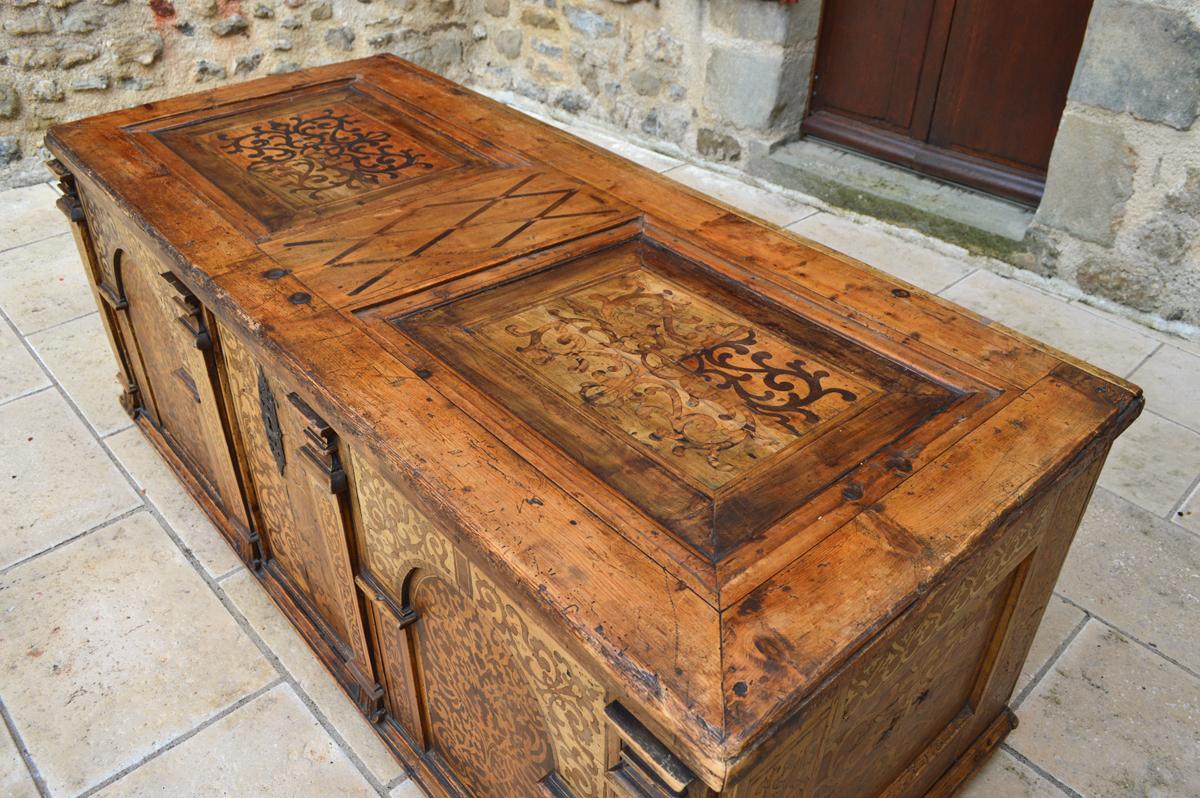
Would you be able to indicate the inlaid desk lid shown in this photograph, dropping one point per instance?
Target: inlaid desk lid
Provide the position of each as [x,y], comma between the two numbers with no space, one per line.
[717,455]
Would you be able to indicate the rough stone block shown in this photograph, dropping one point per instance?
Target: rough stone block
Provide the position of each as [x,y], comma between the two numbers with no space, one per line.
[230,25]
[139,48]
[756,88]
[10,102]
[497,8]
[778,23]
[589,23]
[508,43]
[659,45]
[1141,59]
[717,146]
[1089,179]
[29,23]
[539,18]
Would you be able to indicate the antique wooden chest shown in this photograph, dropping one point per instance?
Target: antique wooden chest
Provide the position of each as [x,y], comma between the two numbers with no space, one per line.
[581,484]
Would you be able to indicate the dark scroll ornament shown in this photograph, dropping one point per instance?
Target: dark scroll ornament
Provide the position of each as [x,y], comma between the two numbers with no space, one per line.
[270,420]
[322,153]
[781,390]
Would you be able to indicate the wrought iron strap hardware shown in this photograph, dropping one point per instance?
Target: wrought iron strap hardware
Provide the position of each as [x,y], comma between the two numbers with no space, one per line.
[269,412]
[321,448]
[193,312]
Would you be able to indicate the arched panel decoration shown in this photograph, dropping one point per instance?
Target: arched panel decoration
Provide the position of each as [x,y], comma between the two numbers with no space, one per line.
[489,693]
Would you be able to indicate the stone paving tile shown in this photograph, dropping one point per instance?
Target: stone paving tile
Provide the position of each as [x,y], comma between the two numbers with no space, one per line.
[15,780]
[78,355]
[28,214]
[407,789]
[1058,622]
[43,284]
[269,748]
[907,260]
[1139,573]
[1113,720]
[768,205]
[271,625]
[1171,382]
[1005,776]
[55,479]
[1153,463]
[1188,515]
[1087,336]
[113,646]
[1187,344]
[20,374]
[163,489]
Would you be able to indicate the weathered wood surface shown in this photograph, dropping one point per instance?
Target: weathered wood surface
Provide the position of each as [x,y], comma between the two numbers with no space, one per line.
[712,467]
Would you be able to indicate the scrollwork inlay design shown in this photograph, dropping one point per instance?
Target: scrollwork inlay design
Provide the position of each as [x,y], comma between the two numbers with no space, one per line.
[681,376]
[322,153]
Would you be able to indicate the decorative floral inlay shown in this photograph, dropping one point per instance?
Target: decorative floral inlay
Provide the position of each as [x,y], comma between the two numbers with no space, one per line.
[324,153]
[684,378]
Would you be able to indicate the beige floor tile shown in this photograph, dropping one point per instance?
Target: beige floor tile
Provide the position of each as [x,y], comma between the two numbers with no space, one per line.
[1187,344]
[19,372]
[1139,573]
[78,355]
[114,646]
[1005,776]
[1153,463]
[15,781]
[1059,621]
[28,214]
[772,206]
[43,284]
[907,260]
[1188,515]
[314,680]
[407,789]
[161,487]
[1113,720]
[1171,382]
[55,479]
[639,155]
[270,748]
[1111,346]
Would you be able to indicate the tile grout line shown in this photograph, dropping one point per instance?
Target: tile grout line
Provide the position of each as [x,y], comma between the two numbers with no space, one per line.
[1041,672]
[1177,508]
[1135,639]
[1129,374]
[35,241]
[267,653]
[1038,769]
[182,738]
[191,558]
[78,536]
[956,282]
[34,773]
[19,397]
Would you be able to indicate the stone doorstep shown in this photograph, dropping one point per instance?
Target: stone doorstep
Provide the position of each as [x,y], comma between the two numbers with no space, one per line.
[979,222]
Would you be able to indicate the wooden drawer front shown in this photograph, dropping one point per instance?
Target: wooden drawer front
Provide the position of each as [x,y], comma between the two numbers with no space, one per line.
[299,489]
[496,704]
[176,373]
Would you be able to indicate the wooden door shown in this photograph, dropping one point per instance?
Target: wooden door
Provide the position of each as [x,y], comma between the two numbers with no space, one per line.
[176,373]
[968,90]
[301,495]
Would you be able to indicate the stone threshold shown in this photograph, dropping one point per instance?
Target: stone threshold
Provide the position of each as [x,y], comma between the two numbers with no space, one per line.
[978,222]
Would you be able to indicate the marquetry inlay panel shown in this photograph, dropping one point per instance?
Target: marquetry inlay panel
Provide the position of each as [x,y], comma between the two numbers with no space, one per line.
[705,390]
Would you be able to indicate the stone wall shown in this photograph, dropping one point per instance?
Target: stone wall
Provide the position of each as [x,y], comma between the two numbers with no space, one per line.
[719,80]
[65,59]
[1121,214]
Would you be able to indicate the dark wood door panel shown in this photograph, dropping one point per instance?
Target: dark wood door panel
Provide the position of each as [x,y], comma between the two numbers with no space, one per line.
[968,90]
[863,40]
[1004,83]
